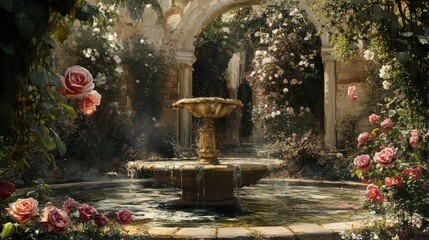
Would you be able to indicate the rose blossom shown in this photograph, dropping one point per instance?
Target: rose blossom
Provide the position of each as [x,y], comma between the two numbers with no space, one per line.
[374,194]
[412,172]
[363,162]
[86,212]
[6,189]
[101,220]
[364,137]
[69,204]
[56,220]
[386,157]
[373,118]
[351,93]
[76,83]
[368,55]
[386,125]
[394,181]
[124,217]
[23,209]
[414,139]
[89,103]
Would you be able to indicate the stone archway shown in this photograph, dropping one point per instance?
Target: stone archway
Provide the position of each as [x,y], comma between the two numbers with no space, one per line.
[198,14]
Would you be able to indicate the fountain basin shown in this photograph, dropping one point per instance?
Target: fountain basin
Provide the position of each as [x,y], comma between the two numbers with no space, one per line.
[208,107]
[207,185]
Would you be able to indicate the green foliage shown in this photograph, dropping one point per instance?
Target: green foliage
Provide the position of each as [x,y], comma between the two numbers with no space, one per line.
[149,69]
[29,107]
[392,36]
[396,31]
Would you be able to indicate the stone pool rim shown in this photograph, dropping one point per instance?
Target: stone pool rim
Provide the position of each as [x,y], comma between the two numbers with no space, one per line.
[294,231]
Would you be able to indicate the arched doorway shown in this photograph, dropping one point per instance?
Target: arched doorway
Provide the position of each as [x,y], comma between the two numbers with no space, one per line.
[200,13]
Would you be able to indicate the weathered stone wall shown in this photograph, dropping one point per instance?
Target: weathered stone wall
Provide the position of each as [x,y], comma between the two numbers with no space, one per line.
[170,94]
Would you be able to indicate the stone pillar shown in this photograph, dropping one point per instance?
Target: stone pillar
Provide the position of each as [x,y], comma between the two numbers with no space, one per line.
[330,90]
[185,61]
[232,131]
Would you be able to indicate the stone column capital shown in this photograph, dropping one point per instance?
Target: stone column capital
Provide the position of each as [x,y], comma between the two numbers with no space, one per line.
[327,54]
[185,58]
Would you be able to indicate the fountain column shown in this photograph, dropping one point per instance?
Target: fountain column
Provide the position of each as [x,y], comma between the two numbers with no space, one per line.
[330,135]
[185,61]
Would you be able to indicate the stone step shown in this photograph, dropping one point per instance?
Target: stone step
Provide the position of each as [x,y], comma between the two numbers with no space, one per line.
[299,231]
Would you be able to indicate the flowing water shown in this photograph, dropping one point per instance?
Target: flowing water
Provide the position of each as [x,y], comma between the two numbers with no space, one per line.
[267,203]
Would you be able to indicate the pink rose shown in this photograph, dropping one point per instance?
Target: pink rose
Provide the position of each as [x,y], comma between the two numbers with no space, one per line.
[363,162]
[6,189]
[86,212]
[386,125]
[351,93]
[76,83]
[396,181]
[56,220]
[23,210]
[412,172]
[101,220]
[69,204]
[415,133]
[89,103]
[364,137]
[414,139]
[374,194]
[385,158]
[373,118]
[124,217]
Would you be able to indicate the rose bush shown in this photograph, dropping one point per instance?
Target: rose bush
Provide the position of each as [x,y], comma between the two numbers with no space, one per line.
[78,83]
[54,221]
[392,37]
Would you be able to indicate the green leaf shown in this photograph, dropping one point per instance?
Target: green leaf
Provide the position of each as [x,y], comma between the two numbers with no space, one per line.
[49,40]
[356,2]
[61,146]
[49,143]
[392,113]
[403,57]
[55,79]
[378,12]
[38,78]
[32,194]
[69,110]
[7,4]
[9,49]
[8,230]
[424,40]
[358,173]
[24,24]
[50,158]
[401,112]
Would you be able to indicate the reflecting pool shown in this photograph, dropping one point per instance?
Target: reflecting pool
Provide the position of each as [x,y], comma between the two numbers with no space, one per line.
[270,202]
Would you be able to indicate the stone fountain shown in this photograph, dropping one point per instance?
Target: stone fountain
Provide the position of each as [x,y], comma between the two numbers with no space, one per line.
[207,182]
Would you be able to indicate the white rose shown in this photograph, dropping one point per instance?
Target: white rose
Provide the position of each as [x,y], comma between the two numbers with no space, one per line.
[368,55]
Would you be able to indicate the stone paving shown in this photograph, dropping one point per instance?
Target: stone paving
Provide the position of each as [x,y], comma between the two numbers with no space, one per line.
[300,231]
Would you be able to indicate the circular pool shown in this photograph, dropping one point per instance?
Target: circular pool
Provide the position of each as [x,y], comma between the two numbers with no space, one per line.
[270,202]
